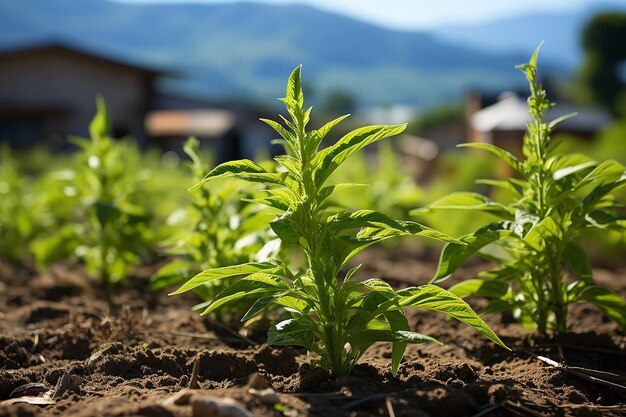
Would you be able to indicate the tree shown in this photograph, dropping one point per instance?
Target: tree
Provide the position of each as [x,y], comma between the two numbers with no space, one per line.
[603,39]
[338,102]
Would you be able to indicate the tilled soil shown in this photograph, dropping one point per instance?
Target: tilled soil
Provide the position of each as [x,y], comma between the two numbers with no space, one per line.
[84,351]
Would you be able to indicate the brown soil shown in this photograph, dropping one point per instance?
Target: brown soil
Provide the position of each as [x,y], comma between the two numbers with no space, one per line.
[126,352]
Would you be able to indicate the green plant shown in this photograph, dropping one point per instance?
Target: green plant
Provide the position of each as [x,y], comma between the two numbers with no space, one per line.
[107,228]
[540,269]
[333,315]
[224,230]
[392,188]
[17,221]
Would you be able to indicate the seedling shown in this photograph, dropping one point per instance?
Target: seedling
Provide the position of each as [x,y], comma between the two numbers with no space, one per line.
[541,269]
[107,228]
[332,314]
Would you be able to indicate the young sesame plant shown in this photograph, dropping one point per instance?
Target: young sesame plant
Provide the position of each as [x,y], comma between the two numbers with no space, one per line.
[108,229]
[541,269]
[224,230]
[332,314]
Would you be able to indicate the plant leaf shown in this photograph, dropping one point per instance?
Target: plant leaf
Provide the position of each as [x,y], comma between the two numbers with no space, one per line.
[465,201]
[480,287]
[330,158]
[258,306]
[610,303]
[294,87]
[257,283]
[367,337]
[170,274]
[231,168]
[505,155]
[292,332]
[317,136]
[541,233]
[432,297]
[453,255]
[226,272]
[578,261]
[100,126]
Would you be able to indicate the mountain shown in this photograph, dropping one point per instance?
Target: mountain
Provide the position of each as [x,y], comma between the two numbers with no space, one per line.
[560,31]
[247,50]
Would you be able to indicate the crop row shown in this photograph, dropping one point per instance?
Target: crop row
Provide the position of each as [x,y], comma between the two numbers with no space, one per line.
[280,245]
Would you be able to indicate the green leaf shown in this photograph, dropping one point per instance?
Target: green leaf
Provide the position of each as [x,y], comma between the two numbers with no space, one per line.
[294,304]
[570,170]
[291,164]
[397,322]
[505,155]
[466,201]
[378,285]
[542,233]
[607,172]
[329,190]
[330,158]
[257,283]
[377,226]
[432,297]
[231,168]
[610,303]
[294,87]
[367,337]
[353,232]
[317,136]
[578,261]
[454,255]
[258,306]
[100,126]
[286,229]
[480,287]
[289,138]
[226,272]
[170,274]
[292,332]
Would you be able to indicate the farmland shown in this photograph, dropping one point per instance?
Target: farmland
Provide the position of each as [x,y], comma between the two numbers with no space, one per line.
[301,314]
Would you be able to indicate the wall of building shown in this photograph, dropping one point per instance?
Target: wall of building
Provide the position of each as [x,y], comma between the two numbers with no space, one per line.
[58,88]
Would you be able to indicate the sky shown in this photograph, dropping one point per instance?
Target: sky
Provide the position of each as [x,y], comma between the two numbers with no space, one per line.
[420,14]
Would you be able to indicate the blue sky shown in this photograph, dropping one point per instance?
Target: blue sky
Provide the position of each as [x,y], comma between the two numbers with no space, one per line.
[420,14]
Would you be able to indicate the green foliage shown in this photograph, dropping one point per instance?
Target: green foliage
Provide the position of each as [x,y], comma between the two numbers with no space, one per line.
[540,267]
[17,222]
[224,230]
[106,225]
[332,315]
[381,183]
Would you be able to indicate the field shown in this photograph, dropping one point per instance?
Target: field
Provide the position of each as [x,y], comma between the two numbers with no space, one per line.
[128,352]
[301,314]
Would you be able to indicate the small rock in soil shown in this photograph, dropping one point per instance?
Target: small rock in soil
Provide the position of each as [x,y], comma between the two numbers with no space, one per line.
[202,406]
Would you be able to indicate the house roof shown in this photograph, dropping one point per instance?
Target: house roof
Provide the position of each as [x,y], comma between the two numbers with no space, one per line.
[511,113]
[84,52]
[201,122]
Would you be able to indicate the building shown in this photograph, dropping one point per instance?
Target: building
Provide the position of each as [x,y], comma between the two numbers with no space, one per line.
[504,122]
[47,93]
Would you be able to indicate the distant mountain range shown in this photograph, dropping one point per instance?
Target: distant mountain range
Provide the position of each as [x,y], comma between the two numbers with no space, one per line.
[246,50]
[560,31]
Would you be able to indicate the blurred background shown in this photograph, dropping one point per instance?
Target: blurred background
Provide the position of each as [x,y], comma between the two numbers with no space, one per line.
[211,68]
[170,69]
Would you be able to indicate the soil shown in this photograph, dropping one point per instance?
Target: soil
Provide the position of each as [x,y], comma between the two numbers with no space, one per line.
[86,351]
